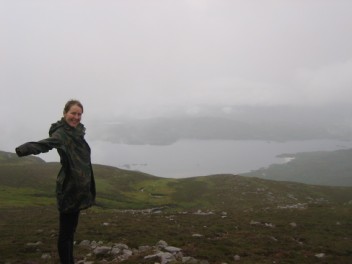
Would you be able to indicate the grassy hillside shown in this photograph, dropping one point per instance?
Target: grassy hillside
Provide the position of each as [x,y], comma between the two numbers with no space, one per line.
[26,184]
[331,168]
[262,221]
[9,158]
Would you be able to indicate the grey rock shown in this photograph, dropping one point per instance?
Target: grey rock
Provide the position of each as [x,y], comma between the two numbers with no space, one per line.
[85,243]
[172,249]
[161,244]
[102,250]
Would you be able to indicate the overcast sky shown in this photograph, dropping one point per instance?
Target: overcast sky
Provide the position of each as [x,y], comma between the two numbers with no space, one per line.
[144,57]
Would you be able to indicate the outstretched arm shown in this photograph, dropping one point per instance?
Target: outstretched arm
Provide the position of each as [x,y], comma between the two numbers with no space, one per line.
[38,147]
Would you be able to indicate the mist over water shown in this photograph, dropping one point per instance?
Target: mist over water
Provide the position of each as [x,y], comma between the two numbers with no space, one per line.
[188,158]
[160,71]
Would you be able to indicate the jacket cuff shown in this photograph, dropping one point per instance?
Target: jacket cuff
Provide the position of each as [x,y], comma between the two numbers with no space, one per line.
[19,152]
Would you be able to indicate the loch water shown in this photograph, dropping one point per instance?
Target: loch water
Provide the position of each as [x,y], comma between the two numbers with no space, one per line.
[188,158]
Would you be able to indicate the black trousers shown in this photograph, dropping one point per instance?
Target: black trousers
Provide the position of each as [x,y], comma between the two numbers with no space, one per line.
[67,228]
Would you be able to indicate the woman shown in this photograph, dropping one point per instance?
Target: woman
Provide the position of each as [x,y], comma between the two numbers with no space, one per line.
[75,186]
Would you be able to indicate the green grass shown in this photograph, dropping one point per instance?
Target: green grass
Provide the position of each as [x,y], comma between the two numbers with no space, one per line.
[28,214]
[325,229]
[23,197]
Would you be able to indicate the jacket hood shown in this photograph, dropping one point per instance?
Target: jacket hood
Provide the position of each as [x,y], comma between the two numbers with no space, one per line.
[79,130]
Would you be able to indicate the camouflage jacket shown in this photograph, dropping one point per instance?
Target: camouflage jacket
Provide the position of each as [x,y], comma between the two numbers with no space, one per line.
[75,185]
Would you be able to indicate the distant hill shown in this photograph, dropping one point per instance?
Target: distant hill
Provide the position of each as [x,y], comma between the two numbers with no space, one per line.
[333,168]
[274,123]
[24,184]
[8,158]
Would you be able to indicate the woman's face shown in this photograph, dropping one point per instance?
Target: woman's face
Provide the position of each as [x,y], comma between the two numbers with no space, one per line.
[73,116]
